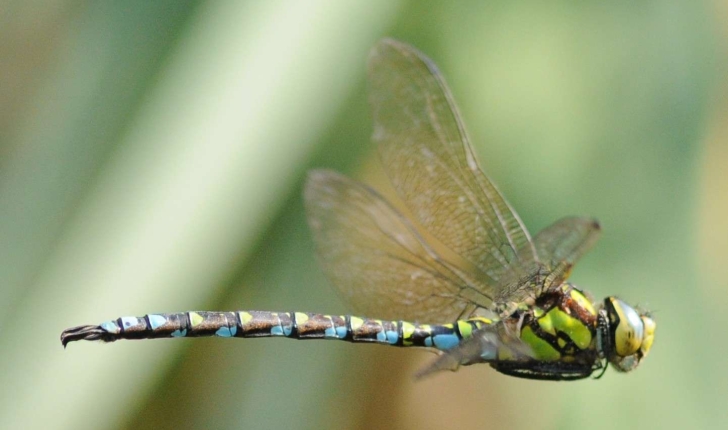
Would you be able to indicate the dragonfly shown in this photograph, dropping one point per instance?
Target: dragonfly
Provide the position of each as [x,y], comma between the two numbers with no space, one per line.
[460,275]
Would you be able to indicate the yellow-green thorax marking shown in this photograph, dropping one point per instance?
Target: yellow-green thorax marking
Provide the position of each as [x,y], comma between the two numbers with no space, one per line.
[562,326]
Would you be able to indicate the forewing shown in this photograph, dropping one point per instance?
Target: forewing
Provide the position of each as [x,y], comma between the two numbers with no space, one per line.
[376,259]
[427,155]
[559,246]
[566,240]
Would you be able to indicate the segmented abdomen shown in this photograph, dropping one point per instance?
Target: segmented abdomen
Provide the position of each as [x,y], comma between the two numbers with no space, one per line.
[295,325]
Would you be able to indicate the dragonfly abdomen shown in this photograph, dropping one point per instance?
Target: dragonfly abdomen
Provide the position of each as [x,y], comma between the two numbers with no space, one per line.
[294,325]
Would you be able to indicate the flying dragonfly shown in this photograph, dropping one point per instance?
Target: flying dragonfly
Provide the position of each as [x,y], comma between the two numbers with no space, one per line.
[487,292]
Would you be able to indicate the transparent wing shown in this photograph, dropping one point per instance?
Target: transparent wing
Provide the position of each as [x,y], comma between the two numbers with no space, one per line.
[376,259]
[566,241]
[559,246]
[427,155]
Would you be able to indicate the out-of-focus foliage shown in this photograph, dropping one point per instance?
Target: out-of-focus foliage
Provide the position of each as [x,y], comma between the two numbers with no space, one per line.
[151,160]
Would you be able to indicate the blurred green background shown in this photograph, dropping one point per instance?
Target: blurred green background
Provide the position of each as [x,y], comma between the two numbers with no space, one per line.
[152,156]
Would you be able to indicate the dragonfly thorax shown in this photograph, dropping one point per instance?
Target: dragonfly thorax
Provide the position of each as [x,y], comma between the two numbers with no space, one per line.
[626,334]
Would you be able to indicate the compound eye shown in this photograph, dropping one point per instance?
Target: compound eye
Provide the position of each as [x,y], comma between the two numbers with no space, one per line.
[627,326]
[650,327]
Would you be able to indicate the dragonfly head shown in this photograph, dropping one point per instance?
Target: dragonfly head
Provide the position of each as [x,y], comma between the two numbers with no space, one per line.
[628,334]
